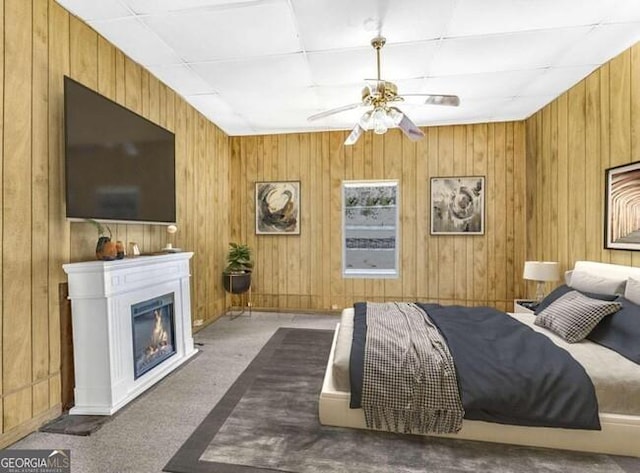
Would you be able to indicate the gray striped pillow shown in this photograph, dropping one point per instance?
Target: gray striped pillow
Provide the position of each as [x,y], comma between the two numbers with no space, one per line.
[574,315]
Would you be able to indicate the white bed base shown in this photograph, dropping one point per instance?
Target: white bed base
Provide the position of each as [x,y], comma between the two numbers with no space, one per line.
[620,434]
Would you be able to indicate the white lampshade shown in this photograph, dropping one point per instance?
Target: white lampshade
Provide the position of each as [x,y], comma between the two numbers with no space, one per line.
[541,271]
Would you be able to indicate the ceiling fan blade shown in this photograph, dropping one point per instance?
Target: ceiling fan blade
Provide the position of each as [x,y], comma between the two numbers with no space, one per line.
[360,128]
[333,111]
[354,135]
[407,126]
[432,99]
[449,100]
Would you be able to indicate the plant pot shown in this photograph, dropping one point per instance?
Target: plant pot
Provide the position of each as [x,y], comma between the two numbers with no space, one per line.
[106,249]
[236,283]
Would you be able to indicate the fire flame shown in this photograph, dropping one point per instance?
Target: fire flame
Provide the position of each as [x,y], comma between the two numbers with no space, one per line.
[159,336]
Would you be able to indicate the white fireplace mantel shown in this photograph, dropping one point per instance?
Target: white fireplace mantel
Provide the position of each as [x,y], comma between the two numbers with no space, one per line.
[102,293]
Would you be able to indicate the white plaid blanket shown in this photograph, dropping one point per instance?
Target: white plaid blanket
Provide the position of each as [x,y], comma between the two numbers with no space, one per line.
[409,383]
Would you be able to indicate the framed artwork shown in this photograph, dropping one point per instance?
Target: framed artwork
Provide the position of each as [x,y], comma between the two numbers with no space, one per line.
[278,208]
[457,205]
[622,208]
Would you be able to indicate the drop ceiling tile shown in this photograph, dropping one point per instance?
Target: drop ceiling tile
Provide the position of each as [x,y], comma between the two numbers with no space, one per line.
[472,17]
[181,77]
[337,96]
[531,49]
[136,40]
[556,80]
[336,24]
[102,10]
[216,109]
[398,61]
[345,120]
[624,10]
[285,119]
[483,85]
[601,44]
[200,36]
[274,103]
[521,108]
[471,109]
[264,73]
[146,7]
[416,20]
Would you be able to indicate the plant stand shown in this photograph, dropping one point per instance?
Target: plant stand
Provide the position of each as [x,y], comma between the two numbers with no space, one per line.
[237,311]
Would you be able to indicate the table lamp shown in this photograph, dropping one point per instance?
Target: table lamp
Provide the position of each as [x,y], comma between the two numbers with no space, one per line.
[541,272]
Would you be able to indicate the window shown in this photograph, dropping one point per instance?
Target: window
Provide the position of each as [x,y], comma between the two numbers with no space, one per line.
[370,229]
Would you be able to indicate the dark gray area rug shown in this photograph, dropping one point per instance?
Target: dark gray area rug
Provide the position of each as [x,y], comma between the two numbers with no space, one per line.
[268,421]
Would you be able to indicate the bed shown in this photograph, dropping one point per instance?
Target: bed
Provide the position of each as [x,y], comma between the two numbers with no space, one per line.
[615,378]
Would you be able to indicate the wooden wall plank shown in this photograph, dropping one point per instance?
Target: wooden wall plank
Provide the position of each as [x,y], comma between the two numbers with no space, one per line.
[40,208]
[409,221]
[393,170]
[620,118]
[2,161]
[577,169]
[594,226]
[519,209]
[433,242]
[445,262]
[500,207]
[17,340]
[422,219]
[480,243]
[510,274]
[59,228]
[563,189]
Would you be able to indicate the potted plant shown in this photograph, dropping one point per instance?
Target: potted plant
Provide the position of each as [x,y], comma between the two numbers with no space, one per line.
[105,248]
[237,273]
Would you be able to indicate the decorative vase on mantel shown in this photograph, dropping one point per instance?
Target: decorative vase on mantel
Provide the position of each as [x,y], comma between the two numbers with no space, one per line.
[106,250]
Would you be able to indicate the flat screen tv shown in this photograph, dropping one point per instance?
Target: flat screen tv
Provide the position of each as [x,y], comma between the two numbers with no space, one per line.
[119,165]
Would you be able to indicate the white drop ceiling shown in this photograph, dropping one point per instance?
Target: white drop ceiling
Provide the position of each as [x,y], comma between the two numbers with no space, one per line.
[263,66]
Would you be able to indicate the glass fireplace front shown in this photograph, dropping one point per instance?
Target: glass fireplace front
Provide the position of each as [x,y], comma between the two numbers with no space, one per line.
[153,333]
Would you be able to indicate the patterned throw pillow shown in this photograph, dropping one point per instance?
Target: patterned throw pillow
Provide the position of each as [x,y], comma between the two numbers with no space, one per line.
[574,315]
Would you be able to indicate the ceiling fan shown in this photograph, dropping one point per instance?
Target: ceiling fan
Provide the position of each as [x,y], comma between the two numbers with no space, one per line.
[380,95]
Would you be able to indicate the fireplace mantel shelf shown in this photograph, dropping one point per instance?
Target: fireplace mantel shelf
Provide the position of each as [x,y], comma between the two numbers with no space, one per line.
[102,293]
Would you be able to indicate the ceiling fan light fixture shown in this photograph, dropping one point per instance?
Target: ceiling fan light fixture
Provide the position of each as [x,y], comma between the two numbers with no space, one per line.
[379,119]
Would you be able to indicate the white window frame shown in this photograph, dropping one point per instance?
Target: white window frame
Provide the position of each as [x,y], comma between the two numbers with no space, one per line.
[371,273]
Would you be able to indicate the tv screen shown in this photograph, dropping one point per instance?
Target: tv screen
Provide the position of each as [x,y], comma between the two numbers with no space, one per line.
[119,165]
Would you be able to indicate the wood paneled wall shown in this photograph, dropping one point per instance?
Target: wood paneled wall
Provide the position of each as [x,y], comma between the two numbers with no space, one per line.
[570,143]
[304,272]
[41,43]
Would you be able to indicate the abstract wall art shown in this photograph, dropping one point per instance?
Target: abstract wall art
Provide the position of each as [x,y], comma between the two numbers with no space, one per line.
[278,208]
[457,205]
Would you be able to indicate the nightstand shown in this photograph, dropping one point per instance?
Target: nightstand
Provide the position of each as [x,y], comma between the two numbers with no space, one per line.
[523,306]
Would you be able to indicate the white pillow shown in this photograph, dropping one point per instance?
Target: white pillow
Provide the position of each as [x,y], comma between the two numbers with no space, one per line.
[567,277]
[632,291]
[589,282]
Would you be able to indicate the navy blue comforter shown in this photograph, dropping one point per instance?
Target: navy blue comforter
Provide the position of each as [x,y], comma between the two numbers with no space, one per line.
[507,373]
